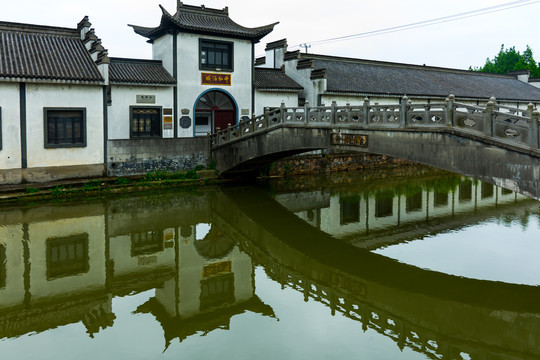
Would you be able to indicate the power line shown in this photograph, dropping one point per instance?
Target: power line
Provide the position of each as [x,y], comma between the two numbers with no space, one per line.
[424,23]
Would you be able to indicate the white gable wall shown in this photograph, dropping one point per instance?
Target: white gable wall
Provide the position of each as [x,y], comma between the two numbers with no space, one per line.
[189,76]
[162,49]
[40,96]
[10,153]
[274,99]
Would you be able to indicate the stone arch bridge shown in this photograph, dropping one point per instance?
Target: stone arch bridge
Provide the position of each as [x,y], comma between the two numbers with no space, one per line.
[496,144]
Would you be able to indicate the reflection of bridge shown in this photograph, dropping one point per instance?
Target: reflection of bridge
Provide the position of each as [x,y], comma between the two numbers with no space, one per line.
[499,145]
[439,315]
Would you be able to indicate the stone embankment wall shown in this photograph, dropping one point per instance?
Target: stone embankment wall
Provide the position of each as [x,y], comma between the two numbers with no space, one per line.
[135,157]
[332,162]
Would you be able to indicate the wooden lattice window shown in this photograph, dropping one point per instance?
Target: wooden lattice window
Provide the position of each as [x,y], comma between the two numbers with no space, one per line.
[145,122]
[65,127]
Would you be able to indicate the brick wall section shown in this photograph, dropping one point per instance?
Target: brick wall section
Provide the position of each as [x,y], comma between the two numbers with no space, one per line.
[135,157]
[332,162]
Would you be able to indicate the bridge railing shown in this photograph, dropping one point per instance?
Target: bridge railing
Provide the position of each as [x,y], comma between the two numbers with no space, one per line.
[500,123]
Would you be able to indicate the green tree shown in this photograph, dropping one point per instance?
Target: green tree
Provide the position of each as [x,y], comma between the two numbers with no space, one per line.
[510,59]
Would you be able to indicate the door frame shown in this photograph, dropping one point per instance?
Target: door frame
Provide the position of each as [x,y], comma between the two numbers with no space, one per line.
[237,112]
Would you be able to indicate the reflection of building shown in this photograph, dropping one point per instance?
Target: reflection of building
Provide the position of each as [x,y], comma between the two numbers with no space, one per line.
[374,214]
[53,270]
[62,266]
[215,282]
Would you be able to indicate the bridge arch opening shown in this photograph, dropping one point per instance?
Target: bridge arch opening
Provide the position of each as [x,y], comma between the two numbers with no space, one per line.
[214,109]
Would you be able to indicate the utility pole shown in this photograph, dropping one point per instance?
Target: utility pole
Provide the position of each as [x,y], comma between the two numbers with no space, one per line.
[306,46]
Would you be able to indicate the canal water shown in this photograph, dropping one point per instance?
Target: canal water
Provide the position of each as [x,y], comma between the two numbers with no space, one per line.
[402,264]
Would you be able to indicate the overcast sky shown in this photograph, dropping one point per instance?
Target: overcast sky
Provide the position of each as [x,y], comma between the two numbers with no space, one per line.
[454,44]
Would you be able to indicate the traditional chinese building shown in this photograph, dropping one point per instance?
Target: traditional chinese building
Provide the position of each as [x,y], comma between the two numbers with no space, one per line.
[212,58]
[325,79]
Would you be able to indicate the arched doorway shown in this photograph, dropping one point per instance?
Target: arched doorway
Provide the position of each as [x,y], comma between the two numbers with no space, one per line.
[214,109]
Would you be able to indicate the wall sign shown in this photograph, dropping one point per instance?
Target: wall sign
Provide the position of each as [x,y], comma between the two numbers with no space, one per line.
[146,99]
[167,123]
[215,79]
[356,140]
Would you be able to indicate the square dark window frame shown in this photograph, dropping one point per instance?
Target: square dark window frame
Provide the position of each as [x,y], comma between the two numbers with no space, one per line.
[45,127]
[160,116]
[213,67]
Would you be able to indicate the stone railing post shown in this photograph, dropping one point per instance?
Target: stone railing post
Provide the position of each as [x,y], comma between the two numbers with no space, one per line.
[282,112]
[530,109]
[535,138]
[306,112]
[488,121]
[366,111]
[333,110]
[266,117]
[493,99]
[404,106]
[450,100]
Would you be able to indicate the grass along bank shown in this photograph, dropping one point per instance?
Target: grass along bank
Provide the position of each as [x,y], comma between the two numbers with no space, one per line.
[97,187]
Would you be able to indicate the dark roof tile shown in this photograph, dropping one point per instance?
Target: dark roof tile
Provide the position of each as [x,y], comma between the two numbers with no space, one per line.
[374,77]
[202,20]
[136,71]
[44,53]
[274,79]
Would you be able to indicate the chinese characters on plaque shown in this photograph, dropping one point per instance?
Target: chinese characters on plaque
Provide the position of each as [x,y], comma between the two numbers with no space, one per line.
[215,79]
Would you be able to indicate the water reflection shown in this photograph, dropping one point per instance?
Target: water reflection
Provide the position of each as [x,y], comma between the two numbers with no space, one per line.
[199,255]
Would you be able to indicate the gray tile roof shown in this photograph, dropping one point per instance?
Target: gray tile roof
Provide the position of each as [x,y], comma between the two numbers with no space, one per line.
[141,72]
[274,79]
[201,20]
[373,77]
[33,52]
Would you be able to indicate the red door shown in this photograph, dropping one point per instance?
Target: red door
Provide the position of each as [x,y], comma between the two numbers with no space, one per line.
[223,118]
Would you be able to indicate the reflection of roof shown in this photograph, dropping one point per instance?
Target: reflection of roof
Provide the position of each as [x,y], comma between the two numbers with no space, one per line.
[175,327]
[44,53]
[140,72]
[274,79]
[358,76]
[201,20]
[52,313]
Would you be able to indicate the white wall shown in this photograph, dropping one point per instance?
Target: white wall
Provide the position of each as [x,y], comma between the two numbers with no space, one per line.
[311,87]
[125,96]
[40,96]
[274,99]
[162,49]
[189,76]
[10,154]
